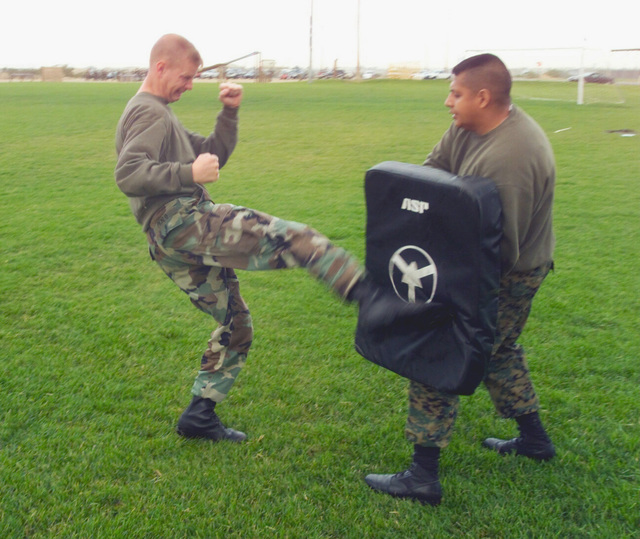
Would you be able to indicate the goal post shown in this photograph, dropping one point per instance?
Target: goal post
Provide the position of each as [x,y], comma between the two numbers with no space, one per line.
[579,75]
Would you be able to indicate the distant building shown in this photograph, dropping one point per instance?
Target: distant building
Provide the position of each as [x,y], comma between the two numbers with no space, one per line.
[402,71]
[52,74]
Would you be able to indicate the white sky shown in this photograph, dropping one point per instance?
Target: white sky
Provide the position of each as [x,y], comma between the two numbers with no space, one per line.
[120,33]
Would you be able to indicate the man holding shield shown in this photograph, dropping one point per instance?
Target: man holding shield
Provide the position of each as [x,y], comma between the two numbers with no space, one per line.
[490,138]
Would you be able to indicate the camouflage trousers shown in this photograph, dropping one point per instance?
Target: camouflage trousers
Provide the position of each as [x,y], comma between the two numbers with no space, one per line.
[198,244]
[432,413]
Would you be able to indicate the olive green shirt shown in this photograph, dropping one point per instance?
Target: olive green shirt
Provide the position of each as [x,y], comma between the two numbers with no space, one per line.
[155,153]
[518,157]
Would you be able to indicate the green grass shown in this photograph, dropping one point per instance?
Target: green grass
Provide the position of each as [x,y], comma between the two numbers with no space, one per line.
[99,349]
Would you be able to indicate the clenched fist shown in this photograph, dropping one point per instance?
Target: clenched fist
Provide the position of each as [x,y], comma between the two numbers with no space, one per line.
[230,94]
[206,168]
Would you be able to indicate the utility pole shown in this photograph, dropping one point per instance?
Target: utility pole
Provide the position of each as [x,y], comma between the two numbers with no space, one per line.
[358,73]
[310,74]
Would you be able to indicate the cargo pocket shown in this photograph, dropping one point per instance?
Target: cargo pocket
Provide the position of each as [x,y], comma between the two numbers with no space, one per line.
[167,230]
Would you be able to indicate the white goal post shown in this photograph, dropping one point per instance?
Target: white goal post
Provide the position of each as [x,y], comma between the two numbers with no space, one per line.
[592,75]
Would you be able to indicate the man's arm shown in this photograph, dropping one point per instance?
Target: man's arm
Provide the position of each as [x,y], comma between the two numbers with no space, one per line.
[139,171]
[440,156]
[222,141]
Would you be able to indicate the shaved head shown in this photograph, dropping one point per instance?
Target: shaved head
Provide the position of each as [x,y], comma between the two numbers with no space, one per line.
[486,71]
[174,49]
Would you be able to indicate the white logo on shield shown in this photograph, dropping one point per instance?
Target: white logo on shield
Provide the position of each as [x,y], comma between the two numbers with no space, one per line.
[410,268]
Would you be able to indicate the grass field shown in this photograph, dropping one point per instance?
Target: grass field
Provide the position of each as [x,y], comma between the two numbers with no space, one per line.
[99,349]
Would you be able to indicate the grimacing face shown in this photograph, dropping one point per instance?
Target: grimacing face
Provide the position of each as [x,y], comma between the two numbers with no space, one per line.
[177,78]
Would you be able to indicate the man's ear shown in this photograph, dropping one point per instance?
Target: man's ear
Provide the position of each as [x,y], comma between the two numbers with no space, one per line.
[160,67]
[484,98]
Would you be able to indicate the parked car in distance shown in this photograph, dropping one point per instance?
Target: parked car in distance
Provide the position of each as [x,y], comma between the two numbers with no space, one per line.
[421,75]
[431,75]
[441,75]
[293,74]
[211,74]
[334,74]
[598,78]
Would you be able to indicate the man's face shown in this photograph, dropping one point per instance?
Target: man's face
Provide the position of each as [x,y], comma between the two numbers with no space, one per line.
[463,104]
[176,79]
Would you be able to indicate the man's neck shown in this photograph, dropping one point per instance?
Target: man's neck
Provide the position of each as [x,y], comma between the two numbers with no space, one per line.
[147,87]
[495,120]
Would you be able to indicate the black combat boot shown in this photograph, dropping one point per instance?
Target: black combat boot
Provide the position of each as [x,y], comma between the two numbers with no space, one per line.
[380,307]
[533,441]
[199,420]
[414,483]
[420,482]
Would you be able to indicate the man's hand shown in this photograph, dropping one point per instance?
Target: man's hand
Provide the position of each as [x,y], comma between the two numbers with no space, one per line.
[230,94]
[206,168]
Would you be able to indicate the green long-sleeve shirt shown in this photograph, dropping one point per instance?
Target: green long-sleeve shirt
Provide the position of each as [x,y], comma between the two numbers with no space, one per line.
[155,153]
[518,157]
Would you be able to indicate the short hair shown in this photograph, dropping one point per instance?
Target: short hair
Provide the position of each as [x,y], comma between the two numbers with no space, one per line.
[173,48]
[486,71]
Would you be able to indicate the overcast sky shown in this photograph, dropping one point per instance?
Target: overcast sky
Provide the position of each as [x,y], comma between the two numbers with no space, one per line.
[120,33]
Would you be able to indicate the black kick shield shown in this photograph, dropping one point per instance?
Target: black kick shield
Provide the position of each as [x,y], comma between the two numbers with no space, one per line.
[433,237]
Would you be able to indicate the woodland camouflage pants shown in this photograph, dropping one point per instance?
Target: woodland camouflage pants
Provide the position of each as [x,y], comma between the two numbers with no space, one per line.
[198,244]
[432,413]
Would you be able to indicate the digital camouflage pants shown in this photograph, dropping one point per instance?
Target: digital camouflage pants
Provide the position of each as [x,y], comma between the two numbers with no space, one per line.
[432,413]
[198,244]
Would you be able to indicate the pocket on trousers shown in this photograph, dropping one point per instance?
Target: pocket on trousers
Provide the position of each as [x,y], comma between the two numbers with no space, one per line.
[169,226]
